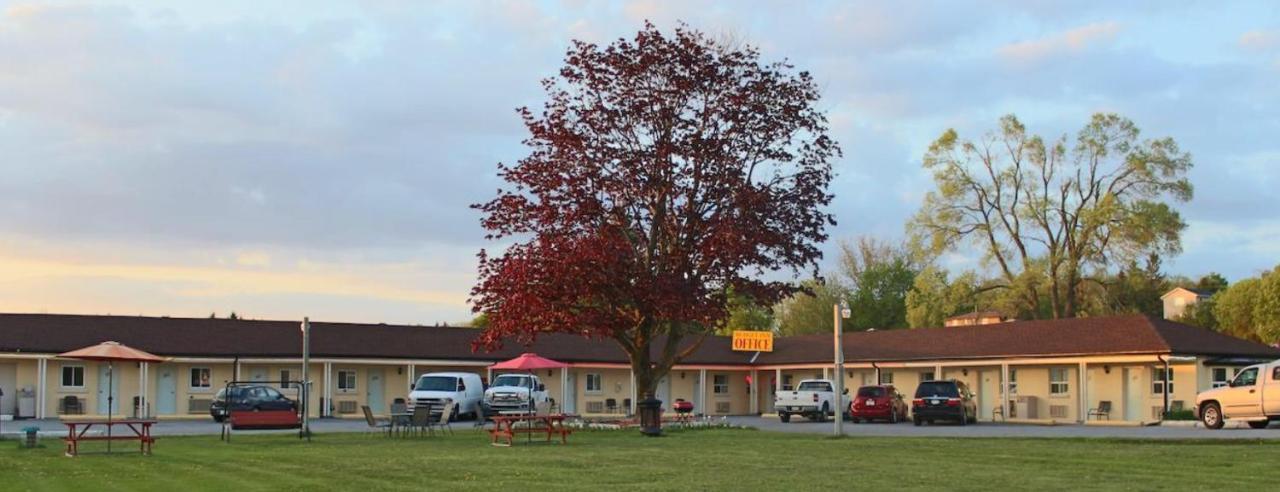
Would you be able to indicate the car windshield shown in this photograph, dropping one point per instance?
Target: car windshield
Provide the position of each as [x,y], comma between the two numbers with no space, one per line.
[511,380]
[871,392]
[437,383]
[815,386]
[937,389]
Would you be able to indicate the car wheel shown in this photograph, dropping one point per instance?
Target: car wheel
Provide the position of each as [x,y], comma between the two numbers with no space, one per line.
[1211,416]
[916,421]
[1259,424]
[784,417]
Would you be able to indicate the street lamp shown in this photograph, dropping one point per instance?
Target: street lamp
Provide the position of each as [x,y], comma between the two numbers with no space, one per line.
[841,313]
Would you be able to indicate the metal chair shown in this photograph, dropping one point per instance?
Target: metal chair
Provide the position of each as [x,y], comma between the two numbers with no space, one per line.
[399,420]
[71,405]
[1103,411]
[374,424]
[445,417]
[611,405]
[421,419]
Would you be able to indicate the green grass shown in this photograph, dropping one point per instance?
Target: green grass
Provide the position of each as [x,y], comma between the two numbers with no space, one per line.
[719,459]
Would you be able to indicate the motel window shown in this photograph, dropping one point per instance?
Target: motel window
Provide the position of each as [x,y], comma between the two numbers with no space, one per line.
[1013,381]
[720,384]
[595,383]
[1159,378]
[1221,375]
[72,376]
[346,380]
[926,376]
[1058,381]
[886,377]
[1275,374]
[201,377]
[285,377]
[786,382]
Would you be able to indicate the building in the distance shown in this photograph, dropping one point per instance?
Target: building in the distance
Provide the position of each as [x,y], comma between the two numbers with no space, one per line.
[1058,370]
[1177,300]
[976,318]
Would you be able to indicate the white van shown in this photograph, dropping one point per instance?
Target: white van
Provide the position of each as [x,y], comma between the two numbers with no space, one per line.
[464,388]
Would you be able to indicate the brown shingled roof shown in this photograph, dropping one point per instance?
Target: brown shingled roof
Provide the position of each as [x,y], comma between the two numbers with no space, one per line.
[51,333]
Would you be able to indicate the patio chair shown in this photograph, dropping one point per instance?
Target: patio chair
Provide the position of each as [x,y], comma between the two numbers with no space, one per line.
[610,405]
[421,419]
[481,419]
[443,421]
[1103,411]
[401,421]
[71,405]
[374,424]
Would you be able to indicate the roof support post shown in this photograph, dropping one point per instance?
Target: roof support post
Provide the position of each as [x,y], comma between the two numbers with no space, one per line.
[1004,391]
[42,373]
[702,391]
[937,372]
[1083,394]
[755,393]
[327,408]
[564,389]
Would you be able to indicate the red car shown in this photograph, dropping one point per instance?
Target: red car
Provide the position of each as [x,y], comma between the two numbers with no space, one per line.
[882,402]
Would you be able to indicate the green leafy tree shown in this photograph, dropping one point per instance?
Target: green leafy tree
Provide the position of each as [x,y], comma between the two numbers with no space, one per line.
[932,298]
[1211,283]
[746,314]
[810,312]
[1266,310]
[1073,210]
[879,275]
[1201,314]
[1234,308]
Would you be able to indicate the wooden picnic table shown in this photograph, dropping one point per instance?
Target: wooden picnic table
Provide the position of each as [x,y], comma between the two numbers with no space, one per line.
[504,427]
[139,430]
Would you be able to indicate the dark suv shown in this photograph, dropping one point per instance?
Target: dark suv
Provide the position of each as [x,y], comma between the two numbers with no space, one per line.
[944,400]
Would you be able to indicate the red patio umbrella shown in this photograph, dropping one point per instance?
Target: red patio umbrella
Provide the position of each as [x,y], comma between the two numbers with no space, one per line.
[111,352]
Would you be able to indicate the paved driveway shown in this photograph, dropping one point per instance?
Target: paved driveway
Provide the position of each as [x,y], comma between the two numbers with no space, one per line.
[1009,430]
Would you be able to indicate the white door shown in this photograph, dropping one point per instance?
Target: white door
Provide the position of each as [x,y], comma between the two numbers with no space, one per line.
[105,381]
[988,393]
[9,388]
[166,392]
[570,403]
[663,392]
[1132,394]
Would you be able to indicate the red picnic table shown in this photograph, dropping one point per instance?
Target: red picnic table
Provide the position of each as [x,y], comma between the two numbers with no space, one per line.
[139,430]
[504,427]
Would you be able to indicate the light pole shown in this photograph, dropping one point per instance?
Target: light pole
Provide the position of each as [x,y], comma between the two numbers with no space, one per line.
[841,313]
[306,381]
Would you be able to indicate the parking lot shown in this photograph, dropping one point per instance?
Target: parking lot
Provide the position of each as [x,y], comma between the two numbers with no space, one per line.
[1234,430]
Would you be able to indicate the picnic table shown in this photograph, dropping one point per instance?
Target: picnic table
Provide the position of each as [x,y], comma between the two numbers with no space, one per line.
[504,427]
[139,430]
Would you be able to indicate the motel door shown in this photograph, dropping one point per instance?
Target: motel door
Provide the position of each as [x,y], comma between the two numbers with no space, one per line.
[570,403]
[166,392]
[104,377]
[374,396]
[988,393]
[664,391]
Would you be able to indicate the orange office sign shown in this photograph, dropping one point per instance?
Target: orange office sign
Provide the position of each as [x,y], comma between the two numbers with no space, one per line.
[753,341]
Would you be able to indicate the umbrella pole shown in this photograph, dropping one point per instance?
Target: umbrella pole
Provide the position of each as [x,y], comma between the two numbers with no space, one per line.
[111,379]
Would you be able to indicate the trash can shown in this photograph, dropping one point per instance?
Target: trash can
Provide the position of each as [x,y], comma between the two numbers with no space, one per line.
[31,437]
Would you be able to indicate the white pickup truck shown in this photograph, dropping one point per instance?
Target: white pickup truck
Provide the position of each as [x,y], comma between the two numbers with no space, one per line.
[514,393]
[1254,395]
[815,399]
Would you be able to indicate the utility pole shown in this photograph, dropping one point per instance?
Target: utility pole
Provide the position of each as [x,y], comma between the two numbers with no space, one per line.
[840,313]
[306,381]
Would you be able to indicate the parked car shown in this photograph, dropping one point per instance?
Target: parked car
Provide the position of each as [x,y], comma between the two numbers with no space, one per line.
[814,399]
[944,400]
[255,406]
[514,393]
[882,402]
[465,389]
[1253,395]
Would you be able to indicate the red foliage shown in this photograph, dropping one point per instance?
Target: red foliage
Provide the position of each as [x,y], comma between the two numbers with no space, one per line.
[663,171]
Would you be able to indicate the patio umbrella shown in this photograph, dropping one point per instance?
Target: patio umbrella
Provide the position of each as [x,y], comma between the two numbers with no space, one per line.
[111,352]
[529,362]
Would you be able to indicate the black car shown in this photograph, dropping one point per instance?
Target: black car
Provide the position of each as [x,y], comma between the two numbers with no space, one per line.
[257,397]
[944,400]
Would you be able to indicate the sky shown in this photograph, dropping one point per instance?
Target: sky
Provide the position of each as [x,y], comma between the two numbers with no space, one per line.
[287,159]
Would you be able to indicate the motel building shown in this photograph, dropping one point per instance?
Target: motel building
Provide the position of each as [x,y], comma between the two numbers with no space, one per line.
[1052,370]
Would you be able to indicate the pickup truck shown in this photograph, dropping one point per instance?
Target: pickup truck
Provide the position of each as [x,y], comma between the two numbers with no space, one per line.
[1254,395]
[815,399]
[514,393]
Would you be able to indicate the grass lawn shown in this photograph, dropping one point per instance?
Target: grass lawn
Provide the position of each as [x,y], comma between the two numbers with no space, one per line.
[720,459]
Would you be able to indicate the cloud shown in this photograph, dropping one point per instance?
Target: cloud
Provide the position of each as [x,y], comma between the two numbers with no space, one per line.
[1260,40]
[1071,42]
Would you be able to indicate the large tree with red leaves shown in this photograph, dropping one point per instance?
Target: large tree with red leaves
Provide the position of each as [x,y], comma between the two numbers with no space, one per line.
[664,173]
